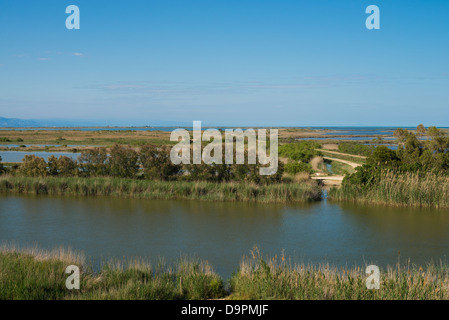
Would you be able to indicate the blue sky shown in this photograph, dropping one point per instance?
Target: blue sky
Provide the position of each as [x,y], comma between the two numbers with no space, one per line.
[245,62]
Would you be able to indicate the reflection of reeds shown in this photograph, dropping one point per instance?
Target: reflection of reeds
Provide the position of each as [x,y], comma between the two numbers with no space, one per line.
[147,189]
[402,189]
[35,274]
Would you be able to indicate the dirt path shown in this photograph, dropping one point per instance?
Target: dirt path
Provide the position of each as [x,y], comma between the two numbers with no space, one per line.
[350,163]
[342,154]
[330,180]
[334,178]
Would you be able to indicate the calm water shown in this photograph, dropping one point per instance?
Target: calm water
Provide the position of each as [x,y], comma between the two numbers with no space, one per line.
[45,145]
[341,130]
[365,132]
[167,129]
[17,156]
[348,138]
[341,234]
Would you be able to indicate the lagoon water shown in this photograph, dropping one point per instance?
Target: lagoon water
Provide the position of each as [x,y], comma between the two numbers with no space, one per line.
[17,156]
[222,232]
[348,137]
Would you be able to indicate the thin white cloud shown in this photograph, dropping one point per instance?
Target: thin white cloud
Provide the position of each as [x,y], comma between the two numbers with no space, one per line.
[78,54]
[44,59]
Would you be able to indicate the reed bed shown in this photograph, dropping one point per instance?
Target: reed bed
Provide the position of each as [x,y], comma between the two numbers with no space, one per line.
[428,190]
[279,278]
[38,275]
[149,189]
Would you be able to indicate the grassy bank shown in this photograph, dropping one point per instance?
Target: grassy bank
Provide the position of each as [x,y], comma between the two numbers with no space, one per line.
[400,189]
[340,168]
[149,189]
[35,274]
[39,275]
[280,279]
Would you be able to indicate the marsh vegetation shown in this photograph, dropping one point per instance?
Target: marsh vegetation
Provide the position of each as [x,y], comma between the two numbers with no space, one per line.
[259,277]
[417,174]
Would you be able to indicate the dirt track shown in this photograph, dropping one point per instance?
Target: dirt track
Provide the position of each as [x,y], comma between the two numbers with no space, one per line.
[350,163]
[342,154]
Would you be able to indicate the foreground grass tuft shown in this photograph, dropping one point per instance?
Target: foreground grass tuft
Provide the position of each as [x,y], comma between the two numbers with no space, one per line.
[275,278]
[36,275]
[39,275]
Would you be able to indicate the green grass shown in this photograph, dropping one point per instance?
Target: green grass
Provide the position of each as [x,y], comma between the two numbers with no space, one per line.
[399,189]
[343,157]
[39,275]
[339,168]
[356,148]
[148,189]
[278,278]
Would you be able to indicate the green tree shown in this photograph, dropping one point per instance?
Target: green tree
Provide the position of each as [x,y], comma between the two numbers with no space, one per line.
[123,162]
[67,167]
[33,166]
[355,148]
[94,162]
[411,152]
[401,135]
[421,130]
[383,156]
[439,142]
[296,167]
[52,163]
[2,168]
[156,162]
[299,151]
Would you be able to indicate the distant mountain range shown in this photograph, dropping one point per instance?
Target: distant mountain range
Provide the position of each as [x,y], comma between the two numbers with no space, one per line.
[9,122]
[15,123]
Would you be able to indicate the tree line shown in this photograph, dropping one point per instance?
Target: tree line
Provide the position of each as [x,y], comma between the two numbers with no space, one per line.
[149,162]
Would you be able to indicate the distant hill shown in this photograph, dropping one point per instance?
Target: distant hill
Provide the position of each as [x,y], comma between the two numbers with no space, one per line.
[9,122]
[15,123]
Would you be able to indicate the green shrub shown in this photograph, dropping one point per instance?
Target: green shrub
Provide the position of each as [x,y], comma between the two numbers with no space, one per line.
[156,162]
[296,167]
[355,148]
[302,151]
[2,168]
[123,162]
[33,166]
[94,162]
